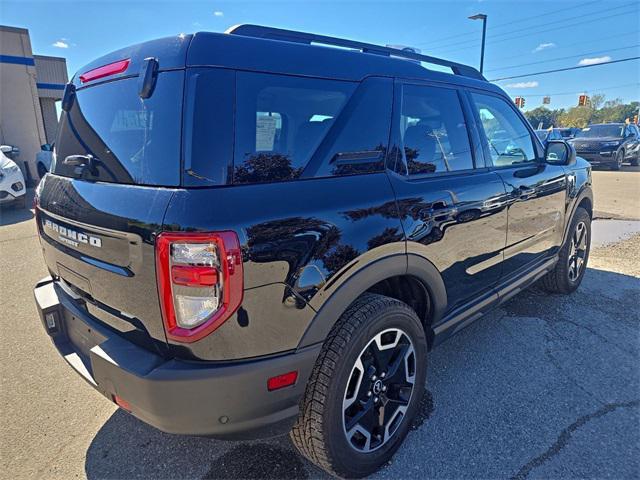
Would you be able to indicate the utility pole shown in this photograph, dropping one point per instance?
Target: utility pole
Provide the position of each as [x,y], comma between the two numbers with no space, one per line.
[483,17]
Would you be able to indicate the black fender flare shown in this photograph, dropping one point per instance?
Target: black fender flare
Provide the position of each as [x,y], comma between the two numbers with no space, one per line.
[364,278]
[584,192]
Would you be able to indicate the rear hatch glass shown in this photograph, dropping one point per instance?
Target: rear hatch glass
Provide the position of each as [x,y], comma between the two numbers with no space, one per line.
[134,140]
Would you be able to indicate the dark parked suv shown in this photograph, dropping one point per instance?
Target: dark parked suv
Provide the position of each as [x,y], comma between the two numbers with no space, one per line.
[250,233]
[609,144]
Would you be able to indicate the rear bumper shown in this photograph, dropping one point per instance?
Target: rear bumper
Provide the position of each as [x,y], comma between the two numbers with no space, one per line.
[224,400]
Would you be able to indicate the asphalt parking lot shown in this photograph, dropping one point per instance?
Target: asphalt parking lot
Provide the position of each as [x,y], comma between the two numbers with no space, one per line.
[544,387]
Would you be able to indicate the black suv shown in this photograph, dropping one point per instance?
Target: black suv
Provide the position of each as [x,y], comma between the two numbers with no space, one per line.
[251,233]
[609,144]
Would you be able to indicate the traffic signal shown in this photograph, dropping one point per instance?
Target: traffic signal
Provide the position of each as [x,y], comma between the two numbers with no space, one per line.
[519,102]
[583,100]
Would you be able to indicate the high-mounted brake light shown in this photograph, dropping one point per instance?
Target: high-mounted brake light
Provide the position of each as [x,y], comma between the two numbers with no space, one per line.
[200,281]
[105,70]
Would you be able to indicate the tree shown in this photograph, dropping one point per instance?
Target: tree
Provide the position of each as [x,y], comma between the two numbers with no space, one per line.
[543,115]
[598,110]
[576,117]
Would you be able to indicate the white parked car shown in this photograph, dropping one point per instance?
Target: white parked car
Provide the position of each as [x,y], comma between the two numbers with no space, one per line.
[43,159]
[12,185]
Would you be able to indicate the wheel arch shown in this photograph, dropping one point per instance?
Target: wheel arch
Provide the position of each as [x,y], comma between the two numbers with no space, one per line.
[387,276]
[583,199]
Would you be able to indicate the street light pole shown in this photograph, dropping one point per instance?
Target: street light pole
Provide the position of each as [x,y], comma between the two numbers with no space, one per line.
[483,17]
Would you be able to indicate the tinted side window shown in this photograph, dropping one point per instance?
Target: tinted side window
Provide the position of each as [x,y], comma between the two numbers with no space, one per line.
[357,141]
[433,131]
[208,131]
[509,140]
[280,121]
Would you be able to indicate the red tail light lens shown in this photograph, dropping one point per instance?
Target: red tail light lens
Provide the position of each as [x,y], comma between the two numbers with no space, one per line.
[194,276]
[200,282]
[105,71]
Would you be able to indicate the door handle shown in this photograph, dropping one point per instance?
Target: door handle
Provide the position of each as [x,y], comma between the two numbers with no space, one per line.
[526,193]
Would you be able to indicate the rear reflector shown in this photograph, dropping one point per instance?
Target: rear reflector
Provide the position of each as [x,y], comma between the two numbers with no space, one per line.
[121,402]
[281,381]
[200,281]
[105,71]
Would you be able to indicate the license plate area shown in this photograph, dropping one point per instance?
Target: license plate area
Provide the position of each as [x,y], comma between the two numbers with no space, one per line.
[81,336]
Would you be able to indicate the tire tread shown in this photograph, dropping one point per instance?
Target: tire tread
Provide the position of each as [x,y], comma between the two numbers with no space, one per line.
[307,434]
[557,280]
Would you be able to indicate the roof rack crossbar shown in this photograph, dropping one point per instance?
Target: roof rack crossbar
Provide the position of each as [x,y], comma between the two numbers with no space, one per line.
[259,31]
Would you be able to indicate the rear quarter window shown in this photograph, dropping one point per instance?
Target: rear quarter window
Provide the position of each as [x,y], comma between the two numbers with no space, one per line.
[280,122]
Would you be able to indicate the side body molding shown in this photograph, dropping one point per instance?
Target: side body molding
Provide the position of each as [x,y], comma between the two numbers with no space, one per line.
[359,281]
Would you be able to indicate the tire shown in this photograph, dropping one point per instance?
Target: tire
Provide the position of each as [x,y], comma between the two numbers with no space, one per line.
[636,160]
[343,373]
[563,278]
[619,158]
[42,170]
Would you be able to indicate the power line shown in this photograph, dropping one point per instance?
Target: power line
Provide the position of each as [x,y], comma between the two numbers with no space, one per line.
[609,50]
[500,25]
[612,87]
[535,33]
[566,69]
[562,20]
[635,32]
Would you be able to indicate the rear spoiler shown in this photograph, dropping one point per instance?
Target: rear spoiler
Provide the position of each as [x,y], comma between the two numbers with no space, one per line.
[170,53]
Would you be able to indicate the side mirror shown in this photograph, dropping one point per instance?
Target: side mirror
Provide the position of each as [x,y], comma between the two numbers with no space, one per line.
[559,152]
[46,147]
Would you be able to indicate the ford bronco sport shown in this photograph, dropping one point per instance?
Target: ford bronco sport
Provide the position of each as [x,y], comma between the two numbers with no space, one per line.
[253,233]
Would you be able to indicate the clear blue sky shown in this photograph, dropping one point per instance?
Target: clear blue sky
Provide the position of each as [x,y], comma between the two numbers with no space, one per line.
[544,34]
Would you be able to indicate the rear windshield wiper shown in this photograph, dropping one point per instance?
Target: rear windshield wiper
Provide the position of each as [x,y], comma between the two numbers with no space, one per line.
[83,162]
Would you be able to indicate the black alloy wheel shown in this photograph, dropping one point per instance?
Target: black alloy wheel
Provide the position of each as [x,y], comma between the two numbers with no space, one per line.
[379,390]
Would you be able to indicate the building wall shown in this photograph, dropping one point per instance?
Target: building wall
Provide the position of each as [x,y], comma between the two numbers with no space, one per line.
[29,87]
[21,121]
[50,118]
[51,76]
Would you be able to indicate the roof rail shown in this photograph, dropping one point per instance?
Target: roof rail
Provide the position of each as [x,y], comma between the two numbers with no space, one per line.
[259,31]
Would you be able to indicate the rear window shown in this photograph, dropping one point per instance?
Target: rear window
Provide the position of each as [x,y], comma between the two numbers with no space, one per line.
[136,141]
[280,122]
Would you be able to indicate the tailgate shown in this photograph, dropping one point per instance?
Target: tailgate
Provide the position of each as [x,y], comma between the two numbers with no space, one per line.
[116,164]
[98,238]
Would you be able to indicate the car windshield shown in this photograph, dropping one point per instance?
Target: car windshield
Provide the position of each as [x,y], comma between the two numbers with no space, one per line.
[594,131]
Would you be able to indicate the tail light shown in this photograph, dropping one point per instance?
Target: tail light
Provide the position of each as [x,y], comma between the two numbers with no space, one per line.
[200,282]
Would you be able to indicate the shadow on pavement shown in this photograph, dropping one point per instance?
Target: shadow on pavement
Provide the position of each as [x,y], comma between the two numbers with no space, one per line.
[545,384]
[10,213]
[127,448]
